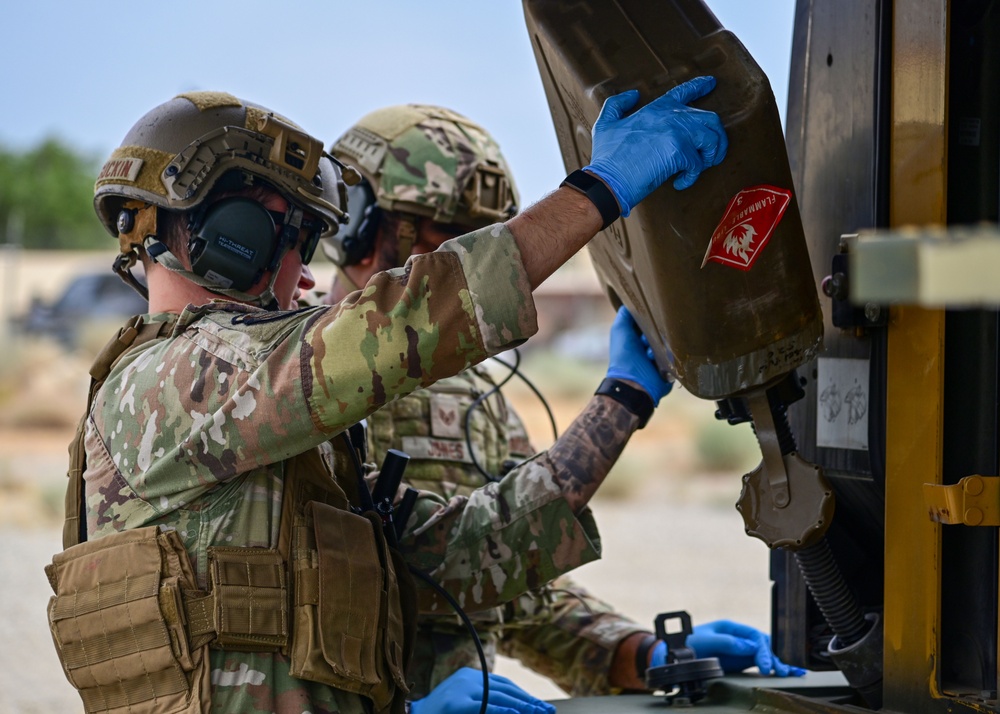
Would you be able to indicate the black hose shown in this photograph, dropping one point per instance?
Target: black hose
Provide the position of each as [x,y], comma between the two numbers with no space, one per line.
[476,404]
[533,388]
[820,571]
[839,607]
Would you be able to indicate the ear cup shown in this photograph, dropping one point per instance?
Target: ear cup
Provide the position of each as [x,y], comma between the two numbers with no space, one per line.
[355,240]
[233,243]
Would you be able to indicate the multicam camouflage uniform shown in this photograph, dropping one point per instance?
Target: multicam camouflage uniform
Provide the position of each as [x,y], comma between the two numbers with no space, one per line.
[561,632]
[191,432]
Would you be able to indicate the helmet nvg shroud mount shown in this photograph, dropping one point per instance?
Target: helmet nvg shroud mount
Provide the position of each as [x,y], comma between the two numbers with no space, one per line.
[173,157]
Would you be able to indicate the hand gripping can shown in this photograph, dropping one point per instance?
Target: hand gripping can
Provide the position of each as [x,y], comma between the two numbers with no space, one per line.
[717,275]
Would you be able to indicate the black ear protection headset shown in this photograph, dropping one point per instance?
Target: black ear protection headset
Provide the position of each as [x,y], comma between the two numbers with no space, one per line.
[355,240]
[235,240]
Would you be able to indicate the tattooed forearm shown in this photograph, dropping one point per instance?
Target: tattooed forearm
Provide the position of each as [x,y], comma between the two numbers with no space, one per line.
[582,457]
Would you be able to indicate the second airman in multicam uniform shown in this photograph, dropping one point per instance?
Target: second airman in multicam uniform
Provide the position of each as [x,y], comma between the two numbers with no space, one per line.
[431,173]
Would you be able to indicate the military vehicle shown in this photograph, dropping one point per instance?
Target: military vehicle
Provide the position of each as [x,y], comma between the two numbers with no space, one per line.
[91,302]
[827,286]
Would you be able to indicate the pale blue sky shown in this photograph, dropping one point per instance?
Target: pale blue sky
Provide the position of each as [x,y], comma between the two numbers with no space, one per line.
[85,71]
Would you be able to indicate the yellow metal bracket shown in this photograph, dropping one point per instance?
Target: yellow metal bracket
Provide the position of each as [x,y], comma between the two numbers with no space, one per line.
[973,501]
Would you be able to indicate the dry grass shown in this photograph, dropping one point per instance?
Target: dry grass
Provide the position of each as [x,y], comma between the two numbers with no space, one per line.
[683,454]
[41,385]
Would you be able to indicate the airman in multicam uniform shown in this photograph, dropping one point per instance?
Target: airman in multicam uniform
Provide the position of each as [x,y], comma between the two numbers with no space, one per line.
[427,171]
[222,547]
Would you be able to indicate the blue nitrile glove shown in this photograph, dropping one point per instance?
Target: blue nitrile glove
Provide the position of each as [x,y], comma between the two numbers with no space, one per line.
[739,647]
[631,358]
[462,693]
[634,154]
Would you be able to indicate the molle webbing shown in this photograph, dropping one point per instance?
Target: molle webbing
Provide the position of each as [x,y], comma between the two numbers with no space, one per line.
[248,605]
[142,580]
[117,622]
[351,625]
[249,599]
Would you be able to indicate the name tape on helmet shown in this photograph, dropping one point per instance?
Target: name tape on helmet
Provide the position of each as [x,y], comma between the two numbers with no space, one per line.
[125,169]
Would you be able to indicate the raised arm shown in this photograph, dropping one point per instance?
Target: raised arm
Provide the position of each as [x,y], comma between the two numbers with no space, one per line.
[633,154]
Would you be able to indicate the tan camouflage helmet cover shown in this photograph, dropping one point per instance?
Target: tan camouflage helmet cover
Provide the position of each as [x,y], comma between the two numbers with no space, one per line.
[174,154]
[431,161]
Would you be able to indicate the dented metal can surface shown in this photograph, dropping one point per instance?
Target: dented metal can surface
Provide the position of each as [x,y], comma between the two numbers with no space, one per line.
[717,275]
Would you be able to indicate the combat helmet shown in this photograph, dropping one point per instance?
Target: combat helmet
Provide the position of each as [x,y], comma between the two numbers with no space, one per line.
[175,154]
[421,160]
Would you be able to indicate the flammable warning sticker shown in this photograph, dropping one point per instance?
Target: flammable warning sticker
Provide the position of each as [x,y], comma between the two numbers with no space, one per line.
[747,225]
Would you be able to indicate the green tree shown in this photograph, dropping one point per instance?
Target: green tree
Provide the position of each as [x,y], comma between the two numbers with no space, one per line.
[48,192]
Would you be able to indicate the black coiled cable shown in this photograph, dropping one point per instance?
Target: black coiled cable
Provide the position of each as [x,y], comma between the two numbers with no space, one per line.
[496,388]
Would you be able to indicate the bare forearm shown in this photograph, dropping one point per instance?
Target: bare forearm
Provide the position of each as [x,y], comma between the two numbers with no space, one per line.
[582,457]
[624,673]
[552,230]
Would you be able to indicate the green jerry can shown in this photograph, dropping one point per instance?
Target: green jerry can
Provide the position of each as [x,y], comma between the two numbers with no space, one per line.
[717,275]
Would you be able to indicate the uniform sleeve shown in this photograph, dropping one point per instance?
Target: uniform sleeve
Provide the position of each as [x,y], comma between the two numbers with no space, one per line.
[235,388]
[505,539]
[575,641]
[439,314]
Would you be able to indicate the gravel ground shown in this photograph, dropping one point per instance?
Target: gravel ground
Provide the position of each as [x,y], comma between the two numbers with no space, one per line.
[31,680]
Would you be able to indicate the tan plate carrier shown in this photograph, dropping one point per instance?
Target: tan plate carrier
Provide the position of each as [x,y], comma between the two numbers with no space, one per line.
[133,630]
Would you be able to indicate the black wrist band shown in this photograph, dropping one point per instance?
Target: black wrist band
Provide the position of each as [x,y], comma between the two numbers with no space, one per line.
[642,655]
[635,400]
[598,193]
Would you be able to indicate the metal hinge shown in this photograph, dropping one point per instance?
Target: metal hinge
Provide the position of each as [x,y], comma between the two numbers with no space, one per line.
[973,501]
